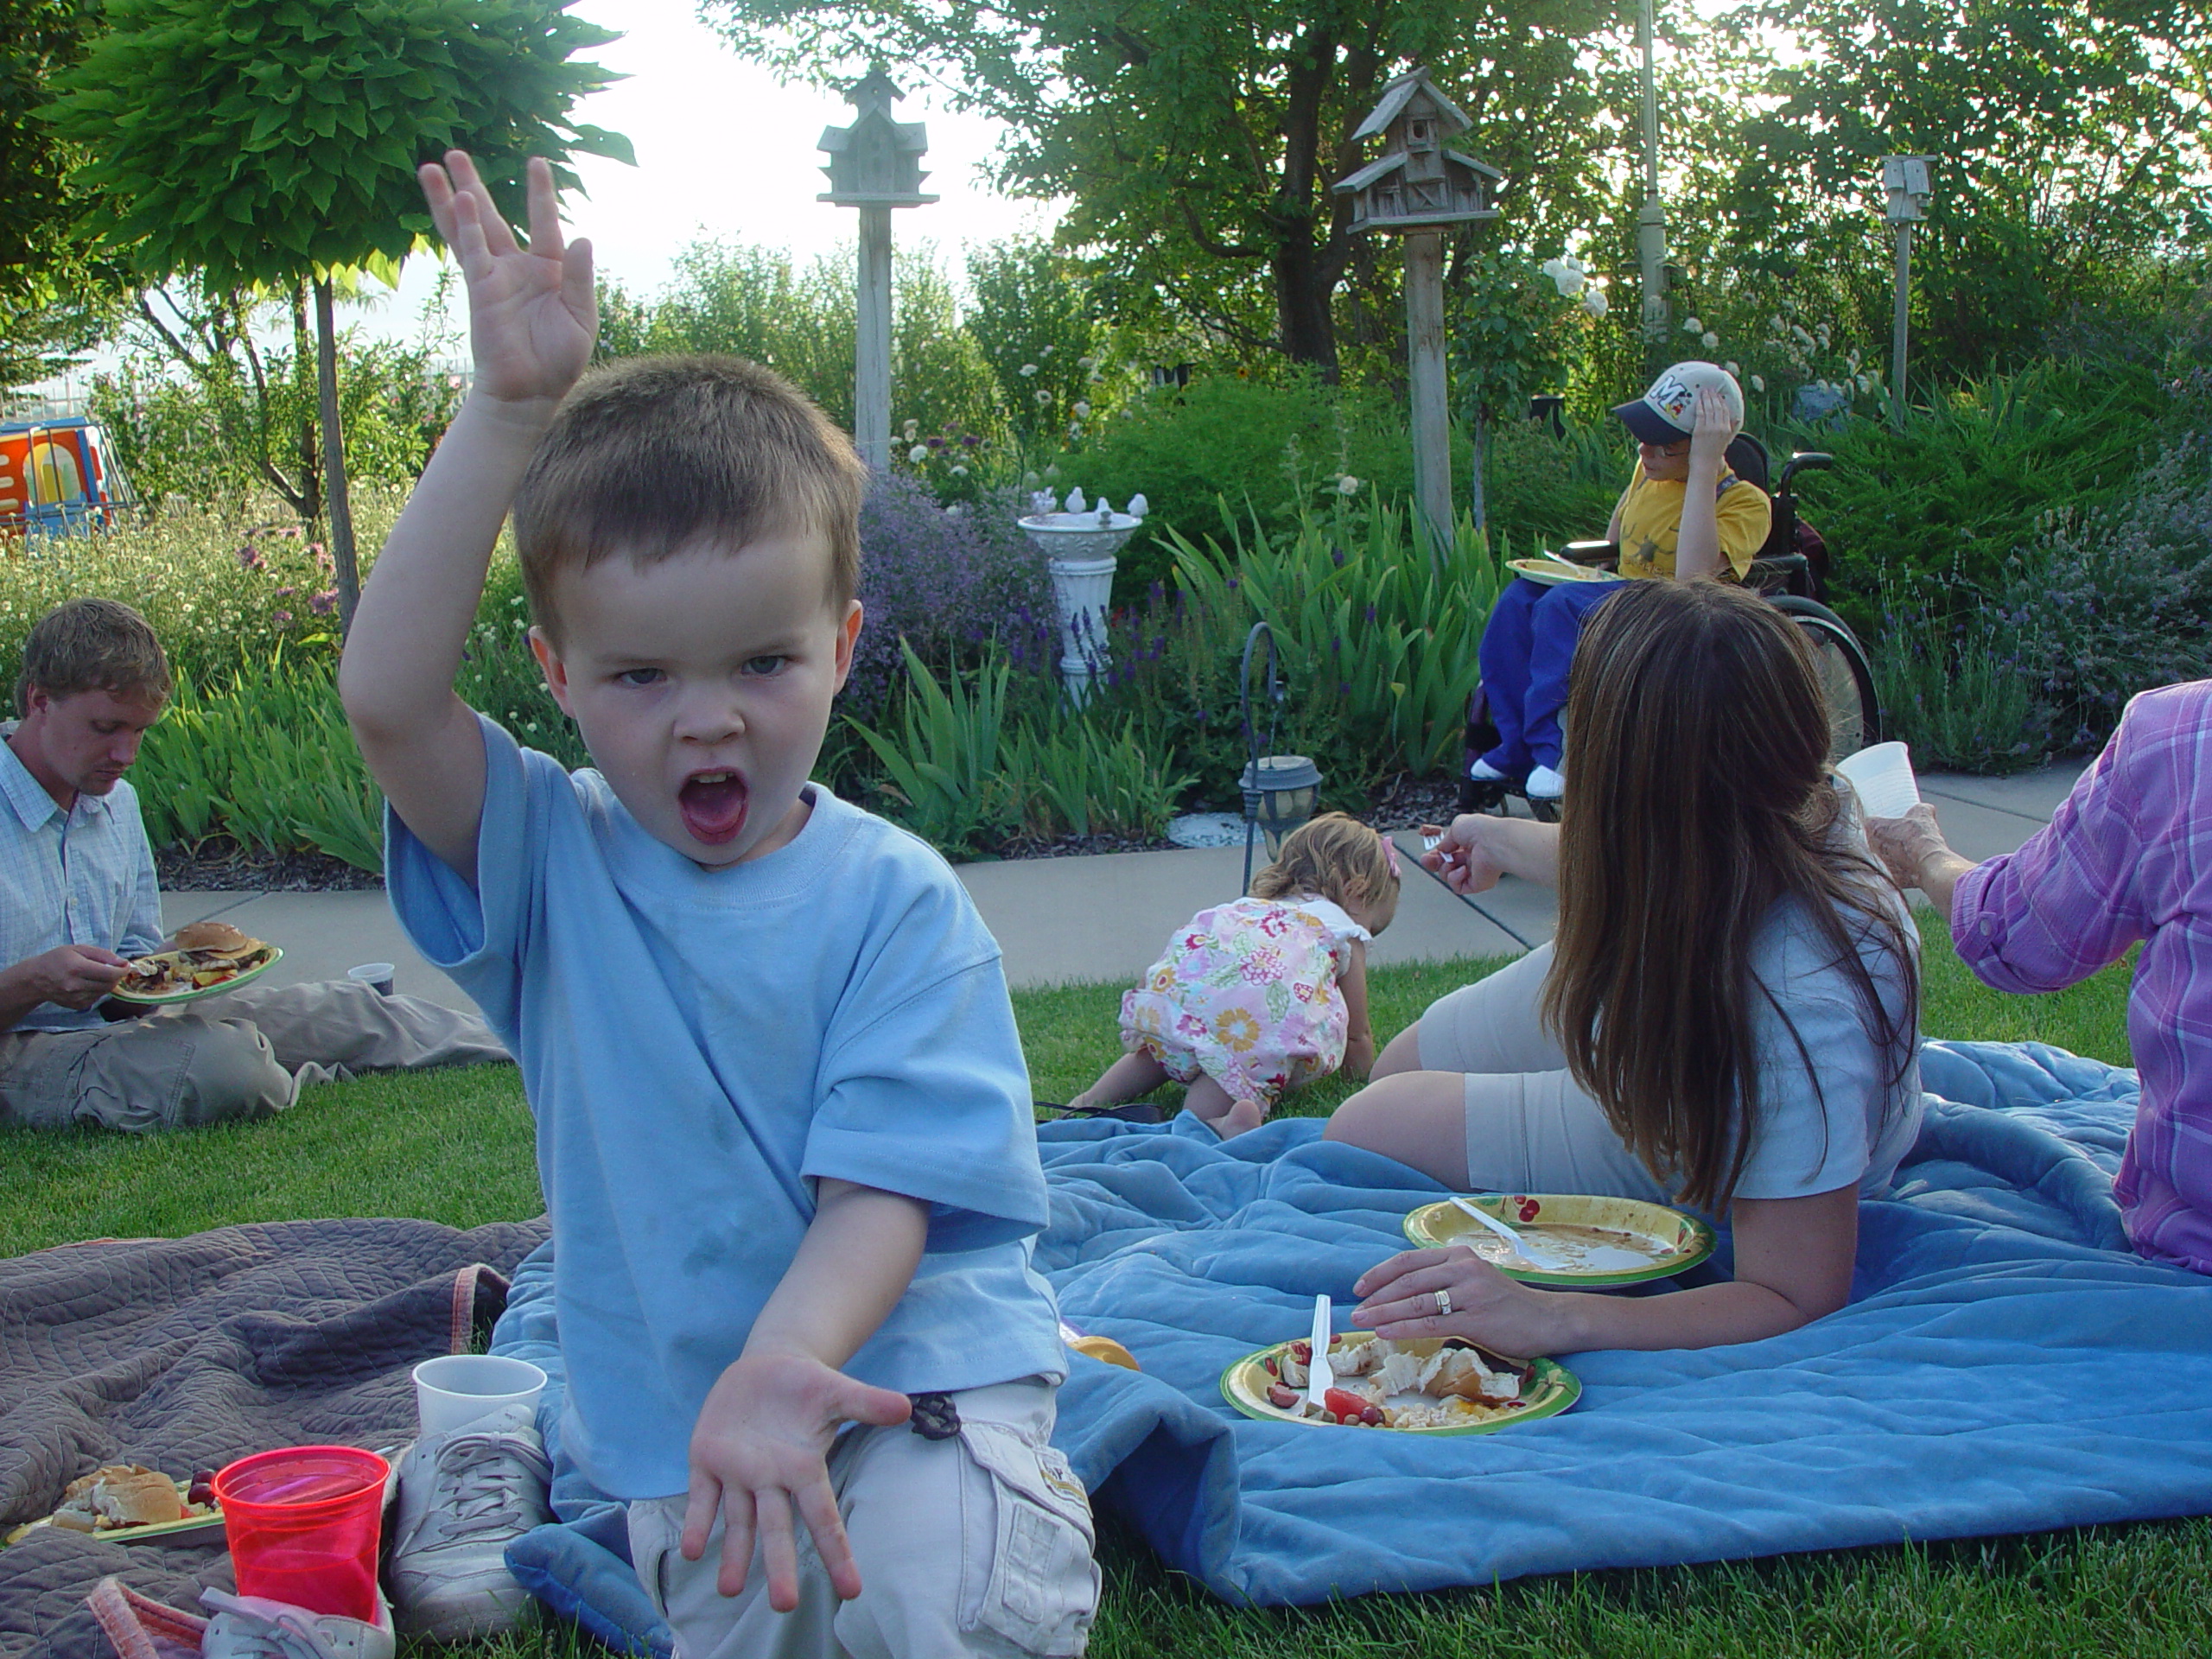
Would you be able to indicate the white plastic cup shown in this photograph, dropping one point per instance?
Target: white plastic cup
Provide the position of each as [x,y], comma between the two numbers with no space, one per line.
[455,1390]
[377,976]
[1882,777]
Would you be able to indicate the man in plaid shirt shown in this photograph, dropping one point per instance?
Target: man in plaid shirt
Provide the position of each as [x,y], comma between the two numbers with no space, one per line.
[2127,858]
[78,898]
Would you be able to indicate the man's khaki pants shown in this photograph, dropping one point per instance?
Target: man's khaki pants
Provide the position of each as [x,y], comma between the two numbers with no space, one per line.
[243,1055]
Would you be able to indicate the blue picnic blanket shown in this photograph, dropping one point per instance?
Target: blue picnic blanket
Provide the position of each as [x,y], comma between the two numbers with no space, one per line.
[2005,1364]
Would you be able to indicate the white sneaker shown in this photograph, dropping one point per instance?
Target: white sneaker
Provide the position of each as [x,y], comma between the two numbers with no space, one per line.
[1483,772]
[253,1627]
[464,1497]
[1545,783]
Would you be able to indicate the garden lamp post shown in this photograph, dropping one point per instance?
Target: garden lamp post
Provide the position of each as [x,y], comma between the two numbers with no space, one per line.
[875,165]
[1904,182]
[1281,791]
[1415,189]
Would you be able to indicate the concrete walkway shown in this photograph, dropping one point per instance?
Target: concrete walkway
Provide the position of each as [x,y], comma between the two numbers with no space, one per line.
[1071,920]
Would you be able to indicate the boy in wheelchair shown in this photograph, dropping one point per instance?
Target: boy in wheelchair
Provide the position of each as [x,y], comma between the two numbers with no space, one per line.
[1685,513]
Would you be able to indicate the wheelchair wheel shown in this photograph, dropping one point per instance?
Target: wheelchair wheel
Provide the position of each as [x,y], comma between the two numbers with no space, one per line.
[1846,676]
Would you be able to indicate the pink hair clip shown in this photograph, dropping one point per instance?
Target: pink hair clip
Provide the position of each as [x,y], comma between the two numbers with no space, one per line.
[1390,854]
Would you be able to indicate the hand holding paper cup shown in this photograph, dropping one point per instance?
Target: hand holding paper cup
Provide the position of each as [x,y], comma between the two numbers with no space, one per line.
[1882,778]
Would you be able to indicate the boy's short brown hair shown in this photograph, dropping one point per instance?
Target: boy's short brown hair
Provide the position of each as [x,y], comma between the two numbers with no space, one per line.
[92,645]
[648,456]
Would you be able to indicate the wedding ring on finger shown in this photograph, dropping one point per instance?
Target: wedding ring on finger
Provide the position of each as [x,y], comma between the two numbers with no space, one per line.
[1443,1304]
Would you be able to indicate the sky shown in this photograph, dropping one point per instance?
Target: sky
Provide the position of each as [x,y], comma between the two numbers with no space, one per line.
[724,150]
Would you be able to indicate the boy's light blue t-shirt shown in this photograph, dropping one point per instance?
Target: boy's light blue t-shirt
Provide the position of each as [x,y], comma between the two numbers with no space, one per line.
[698,1048]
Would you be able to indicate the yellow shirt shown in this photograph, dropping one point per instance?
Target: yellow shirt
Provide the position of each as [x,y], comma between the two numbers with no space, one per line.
[1651,518]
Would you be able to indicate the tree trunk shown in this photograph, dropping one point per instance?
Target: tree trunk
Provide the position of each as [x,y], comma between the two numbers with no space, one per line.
[1308,328]
[310,457]
[334,459]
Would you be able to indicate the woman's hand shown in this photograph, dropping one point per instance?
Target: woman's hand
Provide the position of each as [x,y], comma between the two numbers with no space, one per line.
[533,317]
[1462,856]
[1913,850]
[1486,1306]
[1479,847]
[1905,845]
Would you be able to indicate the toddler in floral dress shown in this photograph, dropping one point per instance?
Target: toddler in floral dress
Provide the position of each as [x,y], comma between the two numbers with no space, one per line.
[1260,996]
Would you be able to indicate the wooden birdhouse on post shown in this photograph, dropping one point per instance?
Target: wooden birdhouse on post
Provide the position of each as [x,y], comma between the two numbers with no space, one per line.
[874,165]
[1414,189]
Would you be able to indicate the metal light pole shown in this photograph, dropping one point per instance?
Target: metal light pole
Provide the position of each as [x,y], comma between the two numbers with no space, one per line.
[1904,181]
[1651,223]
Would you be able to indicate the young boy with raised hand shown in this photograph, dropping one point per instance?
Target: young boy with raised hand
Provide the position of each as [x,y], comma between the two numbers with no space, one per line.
[784,1124]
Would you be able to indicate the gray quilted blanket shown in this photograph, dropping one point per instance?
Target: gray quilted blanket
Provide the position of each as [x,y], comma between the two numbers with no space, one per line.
[182,1354]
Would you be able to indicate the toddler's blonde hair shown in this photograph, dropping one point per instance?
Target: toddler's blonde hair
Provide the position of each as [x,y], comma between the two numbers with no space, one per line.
[1337,858]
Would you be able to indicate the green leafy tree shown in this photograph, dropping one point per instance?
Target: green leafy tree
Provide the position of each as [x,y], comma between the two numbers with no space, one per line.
[56,299]
[2070,144]
[1514,329]
[800,320]
[264,141]
[1199,139]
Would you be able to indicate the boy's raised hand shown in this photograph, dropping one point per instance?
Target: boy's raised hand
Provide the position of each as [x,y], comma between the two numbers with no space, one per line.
[760,1449]
[532,316]
[1712,425]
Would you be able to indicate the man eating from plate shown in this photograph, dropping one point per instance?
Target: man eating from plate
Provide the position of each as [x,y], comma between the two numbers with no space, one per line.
[78,900]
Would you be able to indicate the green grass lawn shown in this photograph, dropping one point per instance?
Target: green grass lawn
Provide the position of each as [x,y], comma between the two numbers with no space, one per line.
[455,1147]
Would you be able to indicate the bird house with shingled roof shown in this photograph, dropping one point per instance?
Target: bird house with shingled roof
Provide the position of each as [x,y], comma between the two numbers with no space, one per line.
[1418,183]
[876,161]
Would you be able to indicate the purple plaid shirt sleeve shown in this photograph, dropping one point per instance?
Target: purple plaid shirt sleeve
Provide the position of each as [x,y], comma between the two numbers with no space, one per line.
[2127,857]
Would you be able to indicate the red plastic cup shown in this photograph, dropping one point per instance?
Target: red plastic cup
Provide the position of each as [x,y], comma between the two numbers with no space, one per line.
[302,1523]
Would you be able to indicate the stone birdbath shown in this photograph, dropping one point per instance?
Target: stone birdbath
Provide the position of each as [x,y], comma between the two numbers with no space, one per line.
[1081,544]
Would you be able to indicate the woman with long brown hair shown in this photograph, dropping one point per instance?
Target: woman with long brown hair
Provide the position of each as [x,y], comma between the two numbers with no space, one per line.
[1726,1018]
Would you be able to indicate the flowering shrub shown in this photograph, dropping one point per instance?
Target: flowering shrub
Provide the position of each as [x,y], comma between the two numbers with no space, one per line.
[2100,604]
[948,581]
[221,594]
[956,466]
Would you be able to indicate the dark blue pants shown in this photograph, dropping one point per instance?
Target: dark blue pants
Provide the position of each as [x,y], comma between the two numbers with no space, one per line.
[1526,652]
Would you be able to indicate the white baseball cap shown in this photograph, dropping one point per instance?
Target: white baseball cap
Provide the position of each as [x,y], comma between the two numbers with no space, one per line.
[1667,412]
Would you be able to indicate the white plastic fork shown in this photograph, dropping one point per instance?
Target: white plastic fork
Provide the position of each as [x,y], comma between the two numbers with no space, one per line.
[1320,1377]
[1537,1256]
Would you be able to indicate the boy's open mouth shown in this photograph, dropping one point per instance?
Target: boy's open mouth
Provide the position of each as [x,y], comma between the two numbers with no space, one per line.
[712,805]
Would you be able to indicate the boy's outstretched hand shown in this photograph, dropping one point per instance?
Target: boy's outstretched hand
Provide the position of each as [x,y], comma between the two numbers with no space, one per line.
[532,316]
[760,1450]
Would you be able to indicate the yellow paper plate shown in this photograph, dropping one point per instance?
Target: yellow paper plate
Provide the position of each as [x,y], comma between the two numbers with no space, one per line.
[1668,1240]
[211,1522]
[275,956]
[1244,1385]
[1553,571]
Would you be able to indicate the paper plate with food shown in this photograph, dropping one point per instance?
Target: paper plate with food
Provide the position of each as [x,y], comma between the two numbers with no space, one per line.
[1568,1239]
[130,1503]
[1549,570]
[1429,1385]
[203,959]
